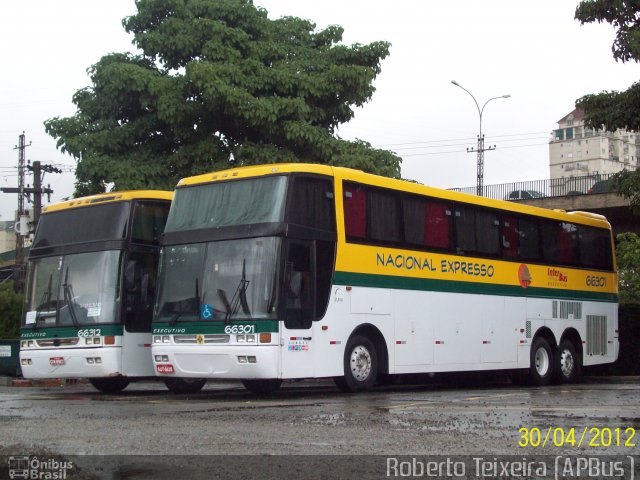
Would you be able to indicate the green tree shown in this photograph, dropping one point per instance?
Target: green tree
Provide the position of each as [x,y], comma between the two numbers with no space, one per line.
[218,78]
[613,109]
[10,311]
[628,255]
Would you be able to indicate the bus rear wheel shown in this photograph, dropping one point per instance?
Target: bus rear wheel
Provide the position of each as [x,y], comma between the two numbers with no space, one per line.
[360,365]
[185,385]
[262,387]
[110,385]
[567,365]
[541,369]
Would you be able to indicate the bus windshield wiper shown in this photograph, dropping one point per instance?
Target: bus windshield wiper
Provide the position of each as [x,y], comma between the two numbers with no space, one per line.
[239,297]
[68,297]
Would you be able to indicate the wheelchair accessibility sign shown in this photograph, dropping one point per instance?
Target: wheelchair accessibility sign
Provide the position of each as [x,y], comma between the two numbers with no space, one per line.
[206,311]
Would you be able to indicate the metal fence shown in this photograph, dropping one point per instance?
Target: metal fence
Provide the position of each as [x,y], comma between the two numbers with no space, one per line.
[555,187]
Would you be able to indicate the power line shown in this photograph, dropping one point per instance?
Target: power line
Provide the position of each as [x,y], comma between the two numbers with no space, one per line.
[464,151]
[462,144]
[460,139]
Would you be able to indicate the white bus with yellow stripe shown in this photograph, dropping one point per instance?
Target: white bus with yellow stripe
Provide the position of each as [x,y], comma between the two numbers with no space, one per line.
[307,271]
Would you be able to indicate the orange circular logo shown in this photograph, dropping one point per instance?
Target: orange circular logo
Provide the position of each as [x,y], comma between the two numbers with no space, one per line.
[524,276]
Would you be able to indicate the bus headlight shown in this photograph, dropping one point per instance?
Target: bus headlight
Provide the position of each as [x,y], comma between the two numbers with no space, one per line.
[240,338]
[157,339]
[251,338]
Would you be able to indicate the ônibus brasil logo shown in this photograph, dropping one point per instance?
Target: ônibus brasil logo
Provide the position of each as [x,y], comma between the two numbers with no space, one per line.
[33,467]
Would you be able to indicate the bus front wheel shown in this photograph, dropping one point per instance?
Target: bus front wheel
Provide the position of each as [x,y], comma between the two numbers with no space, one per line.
[110,385]
[185,385]
[541,369]
[360,365]
[262,387]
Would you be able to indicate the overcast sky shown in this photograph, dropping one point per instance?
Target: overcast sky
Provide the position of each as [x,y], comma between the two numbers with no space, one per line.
[534,51]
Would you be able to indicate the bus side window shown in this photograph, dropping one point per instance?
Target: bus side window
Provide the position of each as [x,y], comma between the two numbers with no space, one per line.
[465,224]
[139,291]
[426,223]
[298,286]
[595,248]
[383,218]
[149,221]
[509,237]
[487,232]
[549,231]
[529,235]
[355,211]
[312,204]
[437,225]
[567,243]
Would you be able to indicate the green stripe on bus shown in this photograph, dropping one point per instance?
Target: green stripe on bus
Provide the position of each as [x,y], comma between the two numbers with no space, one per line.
[427,284]
[70,332]
[191,328]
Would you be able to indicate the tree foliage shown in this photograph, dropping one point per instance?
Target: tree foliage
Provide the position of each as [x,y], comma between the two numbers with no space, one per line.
[627,184]
[10,311]
[217,78]
[628,255]
[614,109]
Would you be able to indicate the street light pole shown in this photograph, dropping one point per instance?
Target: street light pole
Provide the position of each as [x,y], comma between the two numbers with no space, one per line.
[480,149]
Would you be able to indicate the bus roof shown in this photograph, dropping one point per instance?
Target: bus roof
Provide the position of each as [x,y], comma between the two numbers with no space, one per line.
[109,198]
[584,218]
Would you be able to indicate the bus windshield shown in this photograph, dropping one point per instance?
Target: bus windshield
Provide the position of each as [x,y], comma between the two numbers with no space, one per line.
[238,202]
[74,290]
[219,281]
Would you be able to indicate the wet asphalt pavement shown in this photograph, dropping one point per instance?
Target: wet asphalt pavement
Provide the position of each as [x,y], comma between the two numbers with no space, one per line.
[314,418]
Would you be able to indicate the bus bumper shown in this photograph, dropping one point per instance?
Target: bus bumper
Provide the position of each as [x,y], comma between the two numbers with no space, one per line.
[200,361]
[71,362]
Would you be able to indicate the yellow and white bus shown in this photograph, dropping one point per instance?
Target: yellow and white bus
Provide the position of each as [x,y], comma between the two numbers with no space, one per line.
[297,271]
[91,289]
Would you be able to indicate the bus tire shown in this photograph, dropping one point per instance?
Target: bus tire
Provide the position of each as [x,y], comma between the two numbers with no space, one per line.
[567,364]
[541,369]
[261,386]
[360,365]
[111,384]
[184,385]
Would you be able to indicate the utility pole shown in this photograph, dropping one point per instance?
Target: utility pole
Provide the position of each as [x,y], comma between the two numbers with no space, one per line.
[480,149]
[19,269]
[23,226]
[38,175]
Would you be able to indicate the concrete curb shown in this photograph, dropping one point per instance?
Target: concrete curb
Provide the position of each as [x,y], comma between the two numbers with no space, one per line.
[45,382]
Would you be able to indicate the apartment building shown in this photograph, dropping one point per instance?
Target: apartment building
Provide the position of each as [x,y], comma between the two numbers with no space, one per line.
[576,150]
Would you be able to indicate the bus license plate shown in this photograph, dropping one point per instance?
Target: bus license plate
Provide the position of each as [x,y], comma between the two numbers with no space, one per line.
[56,361]
[165,368]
